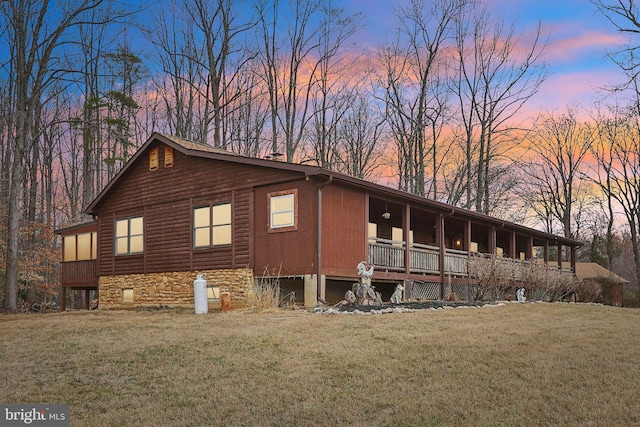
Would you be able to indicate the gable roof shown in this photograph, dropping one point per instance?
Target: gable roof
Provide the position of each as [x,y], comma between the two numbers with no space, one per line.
[591,270]
[194,149]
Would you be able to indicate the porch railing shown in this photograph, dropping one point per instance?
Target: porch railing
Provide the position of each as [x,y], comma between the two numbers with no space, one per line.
[424,258]
[389,255]
[456,262]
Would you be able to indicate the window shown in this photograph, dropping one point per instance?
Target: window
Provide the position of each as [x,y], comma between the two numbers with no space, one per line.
[283,211]
[80,247]
[129,236]
[127,296]
[213,293]
[153,159]
[212,225]
[168,157]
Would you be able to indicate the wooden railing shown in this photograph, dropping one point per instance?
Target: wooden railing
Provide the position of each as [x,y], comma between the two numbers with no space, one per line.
[389,255]
[456,262]
[424,258]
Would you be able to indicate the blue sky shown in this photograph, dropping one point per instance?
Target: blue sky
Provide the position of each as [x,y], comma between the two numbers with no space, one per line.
[579,38]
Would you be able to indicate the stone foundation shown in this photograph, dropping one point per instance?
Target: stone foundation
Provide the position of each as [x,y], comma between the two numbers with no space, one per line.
[170,288]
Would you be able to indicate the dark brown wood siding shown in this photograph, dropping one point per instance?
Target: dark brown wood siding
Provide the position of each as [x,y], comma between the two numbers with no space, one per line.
[167,236]
[166,197]
[79,273]
[344,231]
[286,252]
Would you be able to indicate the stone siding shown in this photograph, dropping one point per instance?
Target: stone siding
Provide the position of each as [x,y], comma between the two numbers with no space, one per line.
[170,288]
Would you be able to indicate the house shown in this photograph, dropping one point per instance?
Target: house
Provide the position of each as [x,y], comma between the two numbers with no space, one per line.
[178,208]
[610,283]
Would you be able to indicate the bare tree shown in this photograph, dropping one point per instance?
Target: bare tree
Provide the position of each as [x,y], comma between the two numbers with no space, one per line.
[35,35]
[496,75]
[361,135]
[410,74]
[618,169]
[552,182]
[292,66]
[248,114]
[182,76]
[334,85]
[219,26]
[624,16]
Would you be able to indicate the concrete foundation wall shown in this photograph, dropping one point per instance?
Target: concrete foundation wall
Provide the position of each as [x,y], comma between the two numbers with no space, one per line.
[170,288]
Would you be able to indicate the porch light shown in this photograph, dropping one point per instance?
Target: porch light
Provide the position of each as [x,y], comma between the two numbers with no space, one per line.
[386,214]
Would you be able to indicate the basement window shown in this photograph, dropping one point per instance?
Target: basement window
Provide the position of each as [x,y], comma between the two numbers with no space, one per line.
[127,296]
[213,293]
[283,211]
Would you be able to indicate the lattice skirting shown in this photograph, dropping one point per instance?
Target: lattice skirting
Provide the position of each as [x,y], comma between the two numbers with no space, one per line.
[425,290]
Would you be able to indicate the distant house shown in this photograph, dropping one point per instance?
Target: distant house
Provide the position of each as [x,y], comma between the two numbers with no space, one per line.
[611,283]
[177,209]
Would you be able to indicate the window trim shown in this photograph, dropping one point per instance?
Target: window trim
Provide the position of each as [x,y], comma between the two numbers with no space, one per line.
[211,226]
[283,228]
[128,236]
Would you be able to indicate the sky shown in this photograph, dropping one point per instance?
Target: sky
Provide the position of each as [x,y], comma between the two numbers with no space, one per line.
[579,39]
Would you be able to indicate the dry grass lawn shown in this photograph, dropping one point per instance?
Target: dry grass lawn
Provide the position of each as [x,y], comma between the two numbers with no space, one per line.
[531,364]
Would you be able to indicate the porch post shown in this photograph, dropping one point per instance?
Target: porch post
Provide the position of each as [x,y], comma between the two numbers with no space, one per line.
[530,248]
[406,236]
[512,245]
[573,259]
[63,299]
[366,227]
[546,253]
[492,240]
[440,239]
[560,256]
[467,244]
[86,299]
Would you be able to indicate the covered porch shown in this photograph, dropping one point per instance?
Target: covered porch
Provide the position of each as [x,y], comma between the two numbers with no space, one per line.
[415,243]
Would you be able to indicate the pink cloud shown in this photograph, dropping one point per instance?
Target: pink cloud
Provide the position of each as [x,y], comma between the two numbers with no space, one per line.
[576,46]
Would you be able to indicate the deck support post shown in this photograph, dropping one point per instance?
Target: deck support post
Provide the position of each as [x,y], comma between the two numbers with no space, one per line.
[314,290]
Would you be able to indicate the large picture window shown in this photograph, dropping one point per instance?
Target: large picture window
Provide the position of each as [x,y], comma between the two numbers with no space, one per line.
[129,236]
[283,210]
[212,225]
[80,247]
